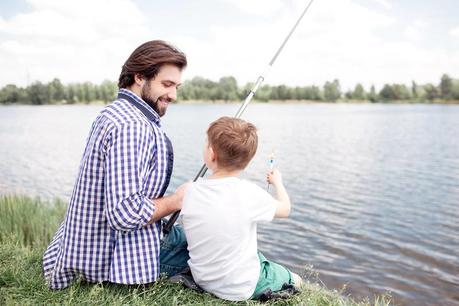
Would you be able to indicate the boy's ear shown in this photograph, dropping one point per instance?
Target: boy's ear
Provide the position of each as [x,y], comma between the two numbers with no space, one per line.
[213,155]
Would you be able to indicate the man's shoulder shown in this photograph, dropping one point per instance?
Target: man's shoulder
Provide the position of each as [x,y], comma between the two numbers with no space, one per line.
[122,113]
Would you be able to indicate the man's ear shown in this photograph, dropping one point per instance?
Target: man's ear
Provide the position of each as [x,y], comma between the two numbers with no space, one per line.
[139,79]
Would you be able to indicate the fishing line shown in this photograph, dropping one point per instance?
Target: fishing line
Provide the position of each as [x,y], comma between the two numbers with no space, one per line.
[271,166]
[168,226]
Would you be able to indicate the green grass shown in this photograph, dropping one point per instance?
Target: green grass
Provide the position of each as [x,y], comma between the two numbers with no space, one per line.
[31,221]
[26,227]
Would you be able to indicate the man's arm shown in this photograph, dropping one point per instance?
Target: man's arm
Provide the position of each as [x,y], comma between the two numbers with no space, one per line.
[167,205]
[125,205]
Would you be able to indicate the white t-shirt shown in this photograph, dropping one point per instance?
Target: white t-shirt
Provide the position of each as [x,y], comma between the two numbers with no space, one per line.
[219,218]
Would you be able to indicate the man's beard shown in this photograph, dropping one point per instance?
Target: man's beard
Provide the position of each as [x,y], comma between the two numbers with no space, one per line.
[145,95]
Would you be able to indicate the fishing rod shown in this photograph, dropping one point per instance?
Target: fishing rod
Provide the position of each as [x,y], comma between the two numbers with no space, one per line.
[168,226]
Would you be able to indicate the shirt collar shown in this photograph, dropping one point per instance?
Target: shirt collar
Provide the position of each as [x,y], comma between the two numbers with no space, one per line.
[136,101]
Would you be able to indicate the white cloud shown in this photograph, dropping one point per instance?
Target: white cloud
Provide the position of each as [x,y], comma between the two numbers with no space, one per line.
[82,40]
[257,7]
[387,4]
[454,32]
[336,39]
[414,32]
[2,24]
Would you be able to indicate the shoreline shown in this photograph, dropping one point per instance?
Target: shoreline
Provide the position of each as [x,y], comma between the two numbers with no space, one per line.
[28,224]
[273,102]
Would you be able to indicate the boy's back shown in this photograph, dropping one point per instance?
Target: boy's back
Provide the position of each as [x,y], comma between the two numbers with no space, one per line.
[219,218]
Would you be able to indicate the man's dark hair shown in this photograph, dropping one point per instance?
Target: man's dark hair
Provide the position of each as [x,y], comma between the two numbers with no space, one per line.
[147,59]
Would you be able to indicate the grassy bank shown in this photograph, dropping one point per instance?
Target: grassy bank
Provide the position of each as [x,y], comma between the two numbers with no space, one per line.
[26,227]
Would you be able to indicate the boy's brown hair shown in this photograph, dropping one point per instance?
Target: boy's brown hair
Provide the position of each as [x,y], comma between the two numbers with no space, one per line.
[234,142]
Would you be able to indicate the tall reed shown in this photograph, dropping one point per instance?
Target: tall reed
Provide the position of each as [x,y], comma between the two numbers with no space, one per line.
[30,222]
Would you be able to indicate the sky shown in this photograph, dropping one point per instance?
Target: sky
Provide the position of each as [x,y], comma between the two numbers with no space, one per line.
[355,41]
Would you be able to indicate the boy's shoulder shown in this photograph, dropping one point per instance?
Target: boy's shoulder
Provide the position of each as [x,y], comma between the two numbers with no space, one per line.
[226,181]
[251,184]
[235,184]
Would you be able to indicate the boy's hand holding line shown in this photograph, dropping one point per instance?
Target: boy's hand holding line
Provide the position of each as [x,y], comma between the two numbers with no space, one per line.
[283,208]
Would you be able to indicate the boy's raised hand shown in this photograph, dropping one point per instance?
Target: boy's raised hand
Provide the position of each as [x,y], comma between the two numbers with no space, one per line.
[274,177]
[283,201]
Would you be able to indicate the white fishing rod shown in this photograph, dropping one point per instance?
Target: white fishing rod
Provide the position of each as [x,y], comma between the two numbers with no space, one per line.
[168,226]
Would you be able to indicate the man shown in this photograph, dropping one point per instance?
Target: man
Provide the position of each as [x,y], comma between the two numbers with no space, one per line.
[112,227]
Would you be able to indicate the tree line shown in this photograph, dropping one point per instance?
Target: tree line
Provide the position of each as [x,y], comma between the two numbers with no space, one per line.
[55,92]
[227,89]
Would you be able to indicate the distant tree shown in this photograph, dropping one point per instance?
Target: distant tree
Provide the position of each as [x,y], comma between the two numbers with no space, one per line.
[414,90]
[431,92]
[387,93]
[227,89]
[89,93]
[9,94]
[38,93]
[280,92]
[332,91]
[71,93]
[402,91]
[56,91]
[245,90]
[298,93]
[274,93]
[446,87]
[348,95]
[107,91]
[263,93]
[372,96]
[315,93]
[455,90]
[359,92]
[394,92]
[186,92]
[204,89]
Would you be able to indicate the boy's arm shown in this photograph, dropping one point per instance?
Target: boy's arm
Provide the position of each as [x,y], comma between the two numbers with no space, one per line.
[283,200]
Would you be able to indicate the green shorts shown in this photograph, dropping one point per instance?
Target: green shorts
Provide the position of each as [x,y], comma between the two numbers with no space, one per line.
[272,276]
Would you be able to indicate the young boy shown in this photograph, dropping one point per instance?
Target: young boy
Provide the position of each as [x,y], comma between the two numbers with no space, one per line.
[220,216]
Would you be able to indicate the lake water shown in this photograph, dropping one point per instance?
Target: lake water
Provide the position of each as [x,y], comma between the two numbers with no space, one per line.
[375,188]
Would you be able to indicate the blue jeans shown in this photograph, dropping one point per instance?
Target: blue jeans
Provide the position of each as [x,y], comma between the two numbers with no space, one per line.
[174,253]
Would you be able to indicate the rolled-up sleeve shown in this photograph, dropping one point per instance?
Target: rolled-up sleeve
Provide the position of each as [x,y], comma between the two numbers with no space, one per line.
[129,150]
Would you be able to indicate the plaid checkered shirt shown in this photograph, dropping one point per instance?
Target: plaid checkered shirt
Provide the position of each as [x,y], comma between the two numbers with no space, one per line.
[127,162]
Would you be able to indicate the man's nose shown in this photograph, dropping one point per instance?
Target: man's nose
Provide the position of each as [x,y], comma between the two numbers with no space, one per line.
[172,94]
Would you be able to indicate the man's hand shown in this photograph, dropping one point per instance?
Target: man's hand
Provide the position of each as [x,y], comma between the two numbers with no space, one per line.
[167,205]
[180,192]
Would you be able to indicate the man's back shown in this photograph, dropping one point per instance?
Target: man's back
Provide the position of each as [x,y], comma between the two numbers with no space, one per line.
[219,218]
[106,221]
